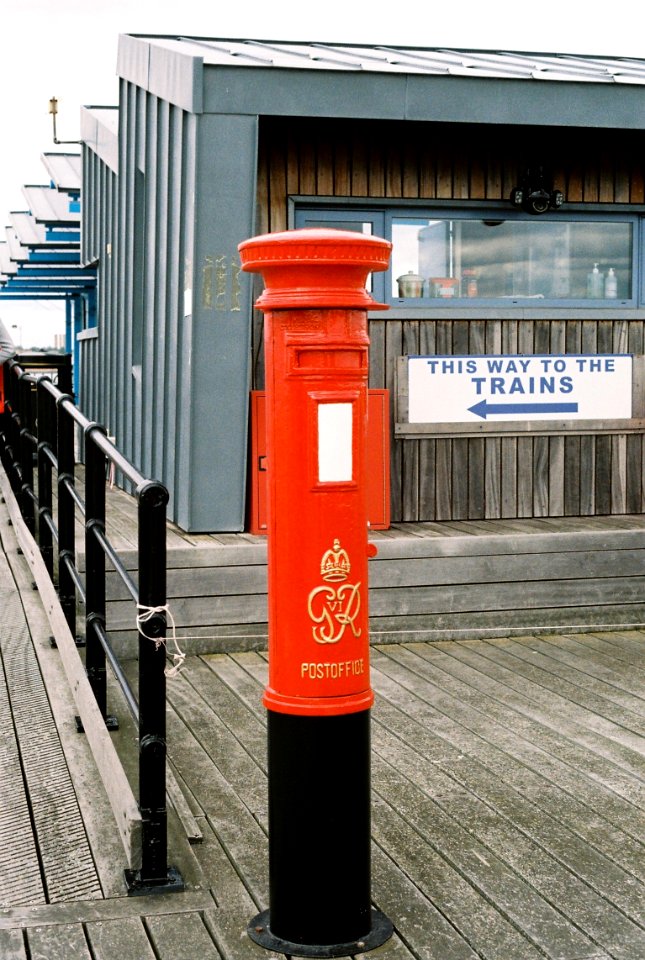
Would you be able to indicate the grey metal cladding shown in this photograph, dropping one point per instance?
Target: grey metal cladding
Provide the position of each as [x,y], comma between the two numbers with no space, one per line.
[100,132]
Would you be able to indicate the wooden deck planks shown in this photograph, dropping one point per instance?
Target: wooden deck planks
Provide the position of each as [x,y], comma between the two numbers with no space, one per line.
[181,936]
[62,941]
[557,669]
[46,855]
[508,780]
[507,818]
[12,945]
[522,861]
[534,843]
[559,718]
[125,939]
[20,874]
[514,747]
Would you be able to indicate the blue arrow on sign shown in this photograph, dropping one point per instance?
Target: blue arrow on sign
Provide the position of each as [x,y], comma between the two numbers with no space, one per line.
[484,409]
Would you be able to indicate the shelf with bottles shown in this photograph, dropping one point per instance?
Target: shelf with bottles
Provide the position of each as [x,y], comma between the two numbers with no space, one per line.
[600,285]
[449,259]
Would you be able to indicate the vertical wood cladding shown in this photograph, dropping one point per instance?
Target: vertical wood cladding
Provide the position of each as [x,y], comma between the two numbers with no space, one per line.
[482,478]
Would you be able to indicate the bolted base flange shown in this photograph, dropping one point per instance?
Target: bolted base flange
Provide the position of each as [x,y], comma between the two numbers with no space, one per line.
[172,883]
[259,931]
[111,723]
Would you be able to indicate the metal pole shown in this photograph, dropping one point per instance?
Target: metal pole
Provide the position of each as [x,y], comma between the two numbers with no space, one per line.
[46,442]
[26,452]
[64,381]
[66,513]
[155,872]
[95,569]
[11,428]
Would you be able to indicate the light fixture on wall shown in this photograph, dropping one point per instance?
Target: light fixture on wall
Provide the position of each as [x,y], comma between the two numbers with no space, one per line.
[535,193]
[53,109]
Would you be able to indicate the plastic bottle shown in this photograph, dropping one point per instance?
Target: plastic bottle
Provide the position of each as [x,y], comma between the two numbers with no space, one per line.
[595,283]
[611,284]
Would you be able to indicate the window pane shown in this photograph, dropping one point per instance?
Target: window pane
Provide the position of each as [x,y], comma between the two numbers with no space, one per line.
[535,259]
[358,226]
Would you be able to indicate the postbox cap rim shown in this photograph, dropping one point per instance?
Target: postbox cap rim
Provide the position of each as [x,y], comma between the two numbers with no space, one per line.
[315,267]
[313,245]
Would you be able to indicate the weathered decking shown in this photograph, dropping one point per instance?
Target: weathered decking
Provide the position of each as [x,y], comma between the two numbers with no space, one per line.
[508,801]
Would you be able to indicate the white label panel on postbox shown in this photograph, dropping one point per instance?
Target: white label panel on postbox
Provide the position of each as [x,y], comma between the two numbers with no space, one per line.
[334,442]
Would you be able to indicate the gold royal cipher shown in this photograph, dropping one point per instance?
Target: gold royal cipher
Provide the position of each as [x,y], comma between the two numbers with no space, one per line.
[333,609]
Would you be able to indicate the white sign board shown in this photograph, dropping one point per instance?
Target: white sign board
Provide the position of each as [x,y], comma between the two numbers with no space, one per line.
[536,387]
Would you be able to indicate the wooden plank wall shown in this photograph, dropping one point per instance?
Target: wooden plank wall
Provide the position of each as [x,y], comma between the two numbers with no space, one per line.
[511,476]
[455,479]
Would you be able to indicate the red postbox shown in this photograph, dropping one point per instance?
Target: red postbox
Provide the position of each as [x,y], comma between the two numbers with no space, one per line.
[319,694]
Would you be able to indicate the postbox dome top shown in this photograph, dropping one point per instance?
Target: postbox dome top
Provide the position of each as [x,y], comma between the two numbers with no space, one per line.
[315,267]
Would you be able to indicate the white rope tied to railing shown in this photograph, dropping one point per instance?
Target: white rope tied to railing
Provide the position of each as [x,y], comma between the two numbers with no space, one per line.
[178,657]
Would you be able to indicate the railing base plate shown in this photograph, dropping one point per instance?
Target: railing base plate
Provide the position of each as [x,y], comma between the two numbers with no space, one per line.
[111,723]
[172,883]
[78,642]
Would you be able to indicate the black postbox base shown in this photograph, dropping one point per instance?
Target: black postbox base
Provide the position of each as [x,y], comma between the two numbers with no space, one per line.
[319,838]
[259,930]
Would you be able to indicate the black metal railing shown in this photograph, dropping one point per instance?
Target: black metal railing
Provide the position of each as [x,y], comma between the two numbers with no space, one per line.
[40,425]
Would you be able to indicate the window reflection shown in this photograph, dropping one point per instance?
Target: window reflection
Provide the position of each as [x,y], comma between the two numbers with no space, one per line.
[533,259]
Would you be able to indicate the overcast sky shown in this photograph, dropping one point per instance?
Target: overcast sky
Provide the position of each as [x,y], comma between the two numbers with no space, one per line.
[68,49]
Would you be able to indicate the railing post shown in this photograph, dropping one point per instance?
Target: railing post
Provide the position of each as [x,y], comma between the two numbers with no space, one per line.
[7,425]
[155,872]
[46,442]
[26,454]
[64,380]
[66,513]
[5,419]
[95,462]
[12,427]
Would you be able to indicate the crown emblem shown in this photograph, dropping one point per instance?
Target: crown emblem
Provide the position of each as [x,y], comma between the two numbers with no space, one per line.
[335,563]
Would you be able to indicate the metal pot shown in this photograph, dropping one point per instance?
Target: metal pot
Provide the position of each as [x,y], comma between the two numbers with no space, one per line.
[410,285]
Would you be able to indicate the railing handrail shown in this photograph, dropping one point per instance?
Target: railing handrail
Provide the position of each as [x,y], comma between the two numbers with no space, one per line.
[48,429]
[97,430]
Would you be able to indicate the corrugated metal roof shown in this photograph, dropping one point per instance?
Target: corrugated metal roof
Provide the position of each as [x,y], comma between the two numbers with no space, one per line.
[17,252]
[64,170]
[32,258]
[34,235]
[385,59]
[49,206]
[7,267]
[40,257]
[27,230]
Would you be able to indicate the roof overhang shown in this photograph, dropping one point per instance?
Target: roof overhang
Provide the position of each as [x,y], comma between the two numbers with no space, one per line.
[316,80]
